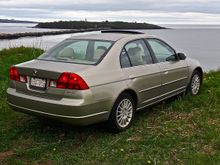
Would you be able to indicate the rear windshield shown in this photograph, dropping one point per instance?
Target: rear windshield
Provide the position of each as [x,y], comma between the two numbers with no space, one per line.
[88,52]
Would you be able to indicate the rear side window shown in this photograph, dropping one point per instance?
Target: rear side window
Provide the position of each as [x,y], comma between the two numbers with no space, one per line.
[125,62]
[135,53]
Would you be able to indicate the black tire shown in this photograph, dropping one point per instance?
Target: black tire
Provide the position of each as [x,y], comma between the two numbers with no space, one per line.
[113,121]
[193,82]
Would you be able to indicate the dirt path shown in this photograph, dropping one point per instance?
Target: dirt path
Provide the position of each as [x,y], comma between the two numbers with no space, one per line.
[4,155]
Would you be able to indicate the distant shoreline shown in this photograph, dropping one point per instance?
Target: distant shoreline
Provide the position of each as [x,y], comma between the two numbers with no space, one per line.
[15,21]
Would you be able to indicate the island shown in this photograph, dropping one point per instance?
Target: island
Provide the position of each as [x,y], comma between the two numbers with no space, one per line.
[68,27]
[104,24]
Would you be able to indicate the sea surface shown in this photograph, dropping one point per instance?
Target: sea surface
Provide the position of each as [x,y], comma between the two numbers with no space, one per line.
[197,41]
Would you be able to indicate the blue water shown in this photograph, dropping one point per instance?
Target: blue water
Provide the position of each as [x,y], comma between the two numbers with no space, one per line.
[202,44]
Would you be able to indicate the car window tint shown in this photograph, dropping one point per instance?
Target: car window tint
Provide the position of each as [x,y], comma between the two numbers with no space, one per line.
[78,51]
[99,49]
[138,53]
[161,50]
[125,63]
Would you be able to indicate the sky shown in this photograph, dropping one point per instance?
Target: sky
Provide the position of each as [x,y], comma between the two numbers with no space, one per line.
[150,11]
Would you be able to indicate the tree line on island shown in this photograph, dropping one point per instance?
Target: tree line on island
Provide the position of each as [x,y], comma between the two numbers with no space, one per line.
[104,24]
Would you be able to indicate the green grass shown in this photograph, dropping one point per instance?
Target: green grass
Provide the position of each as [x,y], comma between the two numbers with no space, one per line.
[179,131]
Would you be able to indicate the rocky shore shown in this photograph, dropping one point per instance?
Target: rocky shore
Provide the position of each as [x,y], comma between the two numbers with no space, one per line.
[4,36]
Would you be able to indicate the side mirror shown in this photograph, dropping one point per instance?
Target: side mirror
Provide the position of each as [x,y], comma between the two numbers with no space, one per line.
[181,56]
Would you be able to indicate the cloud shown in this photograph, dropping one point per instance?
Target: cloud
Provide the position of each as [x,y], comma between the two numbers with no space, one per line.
[125,15]
[204,6]
[154,11]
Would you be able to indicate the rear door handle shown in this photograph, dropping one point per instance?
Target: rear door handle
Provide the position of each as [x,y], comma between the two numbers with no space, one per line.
[131,77]
[166,72]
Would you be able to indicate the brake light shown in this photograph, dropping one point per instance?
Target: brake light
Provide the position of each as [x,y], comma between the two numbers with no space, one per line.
[14,75]
[70,81]
[63,80]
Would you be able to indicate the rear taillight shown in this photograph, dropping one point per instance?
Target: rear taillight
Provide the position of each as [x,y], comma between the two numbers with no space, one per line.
[69,81]
[14,75]
[63,80]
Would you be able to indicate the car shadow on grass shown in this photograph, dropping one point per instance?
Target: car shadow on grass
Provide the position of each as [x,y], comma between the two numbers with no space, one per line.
[53,127]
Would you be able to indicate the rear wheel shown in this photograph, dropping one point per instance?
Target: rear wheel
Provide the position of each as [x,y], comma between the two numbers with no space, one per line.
[122,113]
[195,83]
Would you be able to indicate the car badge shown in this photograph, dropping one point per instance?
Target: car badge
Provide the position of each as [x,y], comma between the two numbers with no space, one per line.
[35,72]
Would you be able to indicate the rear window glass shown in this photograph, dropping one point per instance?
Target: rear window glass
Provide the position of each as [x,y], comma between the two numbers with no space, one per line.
[78,51]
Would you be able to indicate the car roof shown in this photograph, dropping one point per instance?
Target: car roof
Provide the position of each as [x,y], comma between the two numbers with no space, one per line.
[107,36]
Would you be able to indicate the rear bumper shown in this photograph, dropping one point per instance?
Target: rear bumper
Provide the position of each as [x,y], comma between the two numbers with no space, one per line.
[74,111]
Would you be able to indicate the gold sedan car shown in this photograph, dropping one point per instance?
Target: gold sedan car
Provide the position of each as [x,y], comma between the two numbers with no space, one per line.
[102,77]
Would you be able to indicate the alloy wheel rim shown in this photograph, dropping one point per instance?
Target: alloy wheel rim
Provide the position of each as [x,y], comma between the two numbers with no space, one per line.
[124,113]
[195,86]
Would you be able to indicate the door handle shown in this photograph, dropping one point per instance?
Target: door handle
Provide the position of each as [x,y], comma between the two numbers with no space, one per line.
[166,72]
[131,77]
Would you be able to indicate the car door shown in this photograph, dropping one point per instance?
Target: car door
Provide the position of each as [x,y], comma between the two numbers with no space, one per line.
[174,71]
[143,74]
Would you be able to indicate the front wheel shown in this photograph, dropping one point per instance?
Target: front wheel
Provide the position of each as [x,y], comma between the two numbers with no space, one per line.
[122,113]
[195,83]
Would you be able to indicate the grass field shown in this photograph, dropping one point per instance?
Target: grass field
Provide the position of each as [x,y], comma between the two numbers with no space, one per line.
[179,131]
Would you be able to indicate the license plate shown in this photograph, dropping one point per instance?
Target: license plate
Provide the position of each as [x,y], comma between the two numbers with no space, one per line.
[38,82]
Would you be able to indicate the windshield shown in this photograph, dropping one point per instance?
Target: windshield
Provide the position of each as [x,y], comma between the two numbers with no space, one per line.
[78,51]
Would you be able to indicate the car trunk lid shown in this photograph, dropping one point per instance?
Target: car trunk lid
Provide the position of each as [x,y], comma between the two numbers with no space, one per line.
[41,71]
[48,69]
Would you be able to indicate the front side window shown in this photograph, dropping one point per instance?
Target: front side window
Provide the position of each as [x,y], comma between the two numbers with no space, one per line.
[78,51]
[135,53]
[161,50]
